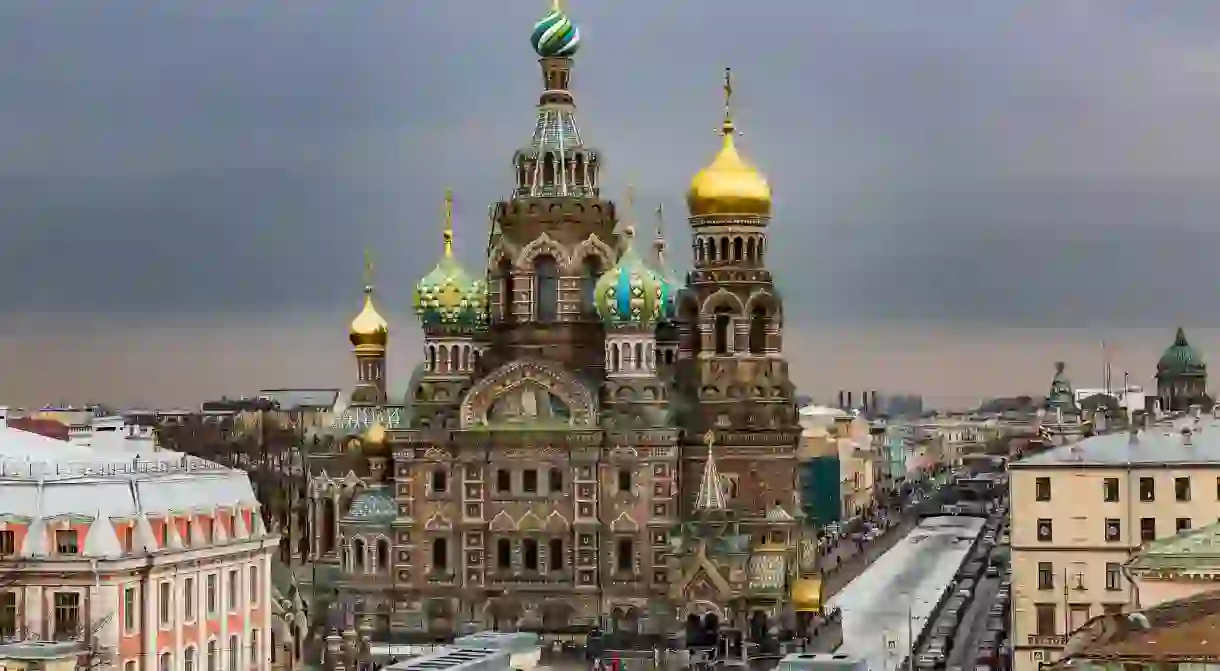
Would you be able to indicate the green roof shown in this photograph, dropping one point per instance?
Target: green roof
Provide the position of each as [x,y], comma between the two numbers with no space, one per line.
[1190,551]
[1180,358]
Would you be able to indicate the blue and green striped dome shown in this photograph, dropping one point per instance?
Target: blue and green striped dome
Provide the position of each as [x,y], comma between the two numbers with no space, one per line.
[631,294]
[555,35]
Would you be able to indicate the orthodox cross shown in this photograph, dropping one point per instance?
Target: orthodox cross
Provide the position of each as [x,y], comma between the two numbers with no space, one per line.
[727,127]
[368,269]
[448,223]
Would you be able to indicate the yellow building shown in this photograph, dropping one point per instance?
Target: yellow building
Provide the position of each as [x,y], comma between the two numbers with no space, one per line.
[1079,513]
[857,465]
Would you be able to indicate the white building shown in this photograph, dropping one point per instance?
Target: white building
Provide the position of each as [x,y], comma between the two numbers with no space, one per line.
[150,561]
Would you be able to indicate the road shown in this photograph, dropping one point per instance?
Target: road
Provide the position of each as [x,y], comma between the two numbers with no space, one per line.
[974,624]
[895,595]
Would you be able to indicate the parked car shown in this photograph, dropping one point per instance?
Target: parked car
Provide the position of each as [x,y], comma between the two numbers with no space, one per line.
[993,571]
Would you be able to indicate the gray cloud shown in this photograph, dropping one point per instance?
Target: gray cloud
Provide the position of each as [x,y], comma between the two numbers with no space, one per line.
[1044,162]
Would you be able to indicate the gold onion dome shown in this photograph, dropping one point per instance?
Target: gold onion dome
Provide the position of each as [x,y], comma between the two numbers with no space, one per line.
[369,328]
[449,296]
[729,185]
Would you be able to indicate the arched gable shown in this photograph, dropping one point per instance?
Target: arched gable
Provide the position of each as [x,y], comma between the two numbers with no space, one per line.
[722,298]
[503,249]
[543,244]
[528,376]
[592,246]
[768,301]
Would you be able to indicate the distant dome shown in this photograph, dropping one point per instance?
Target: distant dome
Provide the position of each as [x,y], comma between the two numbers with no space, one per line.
[1180,358]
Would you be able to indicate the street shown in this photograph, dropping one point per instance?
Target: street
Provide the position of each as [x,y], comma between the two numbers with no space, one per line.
[892,598]
[973,624]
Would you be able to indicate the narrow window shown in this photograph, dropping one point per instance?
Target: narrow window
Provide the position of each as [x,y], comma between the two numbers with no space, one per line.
[504,553]
[440,554]
[555,554]
[529,554]
[723,322]
[591,272]
[546,290]
[758,330]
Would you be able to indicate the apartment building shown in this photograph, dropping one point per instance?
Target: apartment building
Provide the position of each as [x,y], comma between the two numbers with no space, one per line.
[1081,511]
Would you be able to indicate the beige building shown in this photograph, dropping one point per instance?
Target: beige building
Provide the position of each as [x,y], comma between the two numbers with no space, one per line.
[857,465]
[1081,511]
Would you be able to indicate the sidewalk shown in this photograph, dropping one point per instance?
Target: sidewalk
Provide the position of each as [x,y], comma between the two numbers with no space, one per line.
[846,561]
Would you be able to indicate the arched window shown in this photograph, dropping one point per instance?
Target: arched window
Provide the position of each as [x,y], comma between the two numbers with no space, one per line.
[639,356]
[440,554]
[614,358]
[555,554]
[505,271]
[504,553]
[758,330]
[722,325]
[431,358]
[383,554]
[546,289]
[443,358]
[591,271]
[548,169]
[724,249]
[328,525]
[750,251]
[234,653]
[453,359]
[738,249]
[465,358]
[529,554]
[166,663]
[357,555]
[711,248]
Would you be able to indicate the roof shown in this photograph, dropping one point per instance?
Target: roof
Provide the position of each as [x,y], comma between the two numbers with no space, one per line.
[375,506]
[1174,630]
[455,658]
[1191,551]
[1160,446]
[301,399]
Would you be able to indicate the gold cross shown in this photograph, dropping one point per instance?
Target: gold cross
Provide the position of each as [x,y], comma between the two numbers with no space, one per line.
[448,223]
[368,268]
[709,438]
[728,89]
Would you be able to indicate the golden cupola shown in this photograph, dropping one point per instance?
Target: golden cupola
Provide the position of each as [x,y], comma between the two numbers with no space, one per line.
[369,330]
[729,185]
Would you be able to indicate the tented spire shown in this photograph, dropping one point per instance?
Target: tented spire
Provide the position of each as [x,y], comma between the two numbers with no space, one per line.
[711,492]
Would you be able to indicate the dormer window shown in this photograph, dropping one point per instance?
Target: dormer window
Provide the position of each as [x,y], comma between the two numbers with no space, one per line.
[66,542]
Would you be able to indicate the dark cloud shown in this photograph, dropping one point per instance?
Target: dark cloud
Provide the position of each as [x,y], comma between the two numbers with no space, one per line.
[1049,162]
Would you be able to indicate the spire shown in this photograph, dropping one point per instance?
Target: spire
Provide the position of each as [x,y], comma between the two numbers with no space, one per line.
[1179,339]
[658,238]
[727,129]
[448,234]
[711,493]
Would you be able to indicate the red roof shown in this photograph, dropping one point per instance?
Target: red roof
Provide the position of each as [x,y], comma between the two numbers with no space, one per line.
[43,427]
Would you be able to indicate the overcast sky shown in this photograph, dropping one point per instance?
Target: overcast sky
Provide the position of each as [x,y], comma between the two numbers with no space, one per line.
[1012,164]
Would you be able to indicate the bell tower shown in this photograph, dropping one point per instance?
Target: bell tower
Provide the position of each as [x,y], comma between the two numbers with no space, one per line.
[731,315]
[369,333]
[552,240]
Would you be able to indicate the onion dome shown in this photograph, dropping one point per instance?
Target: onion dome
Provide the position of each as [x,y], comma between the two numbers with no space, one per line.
[631,294]
[555,36]
[449,296]
[729,185]
[369,329]
[1180,358]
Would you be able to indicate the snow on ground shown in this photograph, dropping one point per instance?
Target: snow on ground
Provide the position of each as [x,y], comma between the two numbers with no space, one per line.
[894,597]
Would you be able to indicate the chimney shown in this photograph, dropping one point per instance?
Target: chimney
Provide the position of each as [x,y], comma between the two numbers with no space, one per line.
[873,405]
[841,406]
[848,406]
[864,400]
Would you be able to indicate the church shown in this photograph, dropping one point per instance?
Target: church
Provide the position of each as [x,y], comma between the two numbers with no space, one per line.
[590,440]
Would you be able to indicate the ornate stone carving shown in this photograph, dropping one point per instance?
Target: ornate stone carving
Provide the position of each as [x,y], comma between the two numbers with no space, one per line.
[529,390]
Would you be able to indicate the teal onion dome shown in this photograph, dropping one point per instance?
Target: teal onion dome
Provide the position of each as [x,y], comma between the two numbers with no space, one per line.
[632,294]
[1180,358]
[555,35]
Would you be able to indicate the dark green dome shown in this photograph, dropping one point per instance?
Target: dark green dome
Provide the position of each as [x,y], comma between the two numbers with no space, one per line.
[1180,358]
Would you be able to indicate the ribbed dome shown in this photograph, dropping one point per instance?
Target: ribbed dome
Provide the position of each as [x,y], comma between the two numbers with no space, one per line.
[631,294]
[555,35]
[448,295]
[1180,357]
[729,185]
[369,328]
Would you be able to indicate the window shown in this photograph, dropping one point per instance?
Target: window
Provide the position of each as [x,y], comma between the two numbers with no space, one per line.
[1078,615]
[1218,489]
[1147,489]
[1181,489]
[1045,619]
[254,585]
[504,481]
[1114,530]
[1046,575]
[234,653]
[8,614]
[758,330]
[211,595]
[233,591]
[166,663]
[383,554]
[555,481]
[529,481]
[440,554]
[723,324]
[358,552]
[254,652]
[65,542]
[504,553]
[440,482]
[1109,490]
[163,541]
[1182,524]
[1045,533]
[591,271]
[555,553]
[529,554]
[1147,529]
[546,288]
[212,653]
[1042,489]
[1114,577]
[188,659]
[190,532]
[626,555]
[624,480]
[188,599]
[130,613]
[7,542]
[165,603]
[67,616]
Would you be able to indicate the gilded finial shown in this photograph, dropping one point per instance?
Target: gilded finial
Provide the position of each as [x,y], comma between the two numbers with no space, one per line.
[368,271]
[709,438]
[660,212]
[448,223]
[727,126]
[556,5]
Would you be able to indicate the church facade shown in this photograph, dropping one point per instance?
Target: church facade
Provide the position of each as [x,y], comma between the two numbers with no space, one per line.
[590,440]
